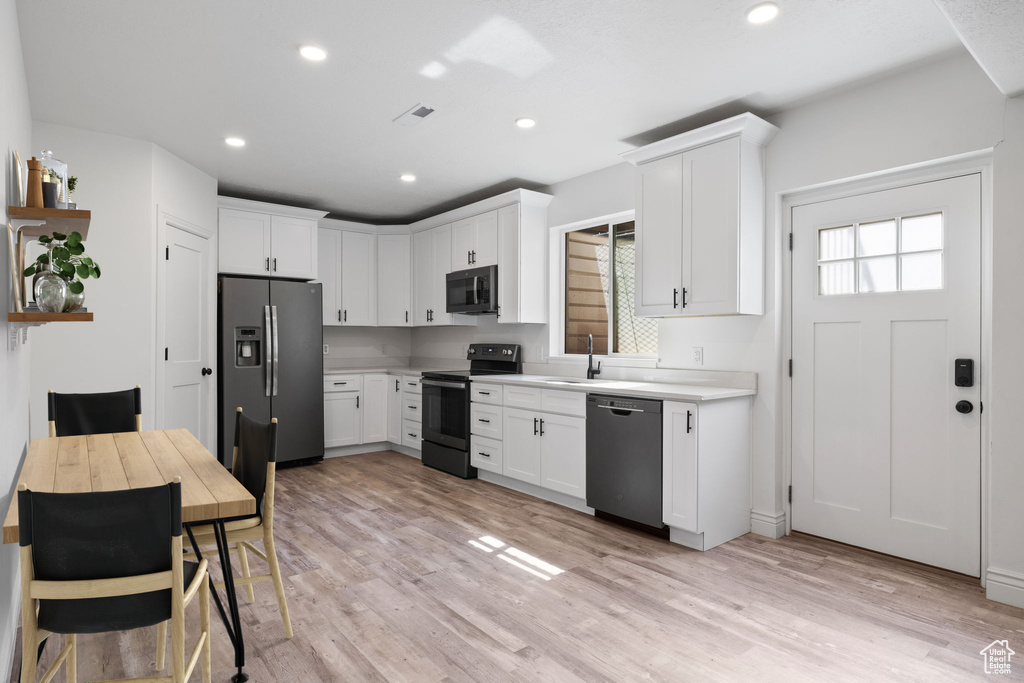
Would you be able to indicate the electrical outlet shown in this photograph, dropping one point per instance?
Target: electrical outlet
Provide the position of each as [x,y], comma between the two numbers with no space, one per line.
[698,355]
[326,349]
[383,349]
[538,354]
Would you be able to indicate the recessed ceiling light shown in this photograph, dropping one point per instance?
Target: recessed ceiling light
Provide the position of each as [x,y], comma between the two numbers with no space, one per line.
[313,53]
[235,142]
[408,177]
[526,122]
[762,13]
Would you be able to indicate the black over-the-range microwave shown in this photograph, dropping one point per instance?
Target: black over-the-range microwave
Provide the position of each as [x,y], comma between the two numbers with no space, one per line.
[473,291]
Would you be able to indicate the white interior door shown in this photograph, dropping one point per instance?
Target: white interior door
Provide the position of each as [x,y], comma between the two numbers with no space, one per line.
[186,396]
[886,295]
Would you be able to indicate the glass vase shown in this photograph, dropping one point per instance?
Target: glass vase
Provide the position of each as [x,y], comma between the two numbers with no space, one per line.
[51,293]
[74,301]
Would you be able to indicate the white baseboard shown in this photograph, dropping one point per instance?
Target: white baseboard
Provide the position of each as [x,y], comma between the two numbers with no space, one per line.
[770,525]
[536,491]
[1004,586]
[10,633]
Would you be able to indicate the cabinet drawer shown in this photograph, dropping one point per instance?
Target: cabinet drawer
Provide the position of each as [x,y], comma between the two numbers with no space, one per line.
[412,408]
[335,383]
[485,420]
[486,454]
[565,402]
[526,398]
[411,434]
[411,384]
[485,393]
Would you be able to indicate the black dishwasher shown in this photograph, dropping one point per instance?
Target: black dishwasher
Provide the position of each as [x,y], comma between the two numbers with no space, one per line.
[624,461]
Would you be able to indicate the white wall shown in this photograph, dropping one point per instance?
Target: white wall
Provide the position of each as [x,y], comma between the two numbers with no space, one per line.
[122,181]
[367,346]
[15,134]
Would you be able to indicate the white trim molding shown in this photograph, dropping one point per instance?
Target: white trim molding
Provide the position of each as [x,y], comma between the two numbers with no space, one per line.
[768,524]
[266,207]
[746,126]
[1003,585]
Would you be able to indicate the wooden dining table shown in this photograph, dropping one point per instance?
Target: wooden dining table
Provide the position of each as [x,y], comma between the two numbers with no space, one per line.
[130,460]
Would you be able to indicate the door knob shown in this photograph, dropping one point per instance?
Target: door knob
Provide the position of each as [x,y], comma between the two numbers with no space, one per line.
[207,371]
[964,407]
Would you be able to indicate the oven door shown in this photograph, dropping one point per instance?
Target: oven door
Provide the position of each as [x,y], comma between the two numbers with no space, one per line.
[472,291]
[446,413]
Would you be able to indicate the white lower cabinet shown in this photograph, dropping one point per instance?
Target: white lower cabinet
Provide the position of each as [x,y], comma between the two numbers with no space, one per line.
[374,408]
[342,423]
[486,454]
[485,420]
[546,449]
[563,454]
[412,434]
[706,471]
[394,409]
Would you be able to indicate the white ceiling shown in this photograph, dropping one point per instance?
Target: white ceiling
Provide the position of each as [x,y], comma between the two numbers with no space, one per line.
[993,30]
[595,74]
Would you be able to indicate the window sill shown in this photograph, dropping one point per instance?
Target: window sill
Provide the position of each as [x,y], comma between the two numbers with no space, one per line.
[609,361]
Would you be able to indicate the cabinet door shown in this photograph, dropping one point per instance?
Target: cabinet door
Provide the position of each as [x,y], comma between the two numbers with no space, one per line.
[485,227]
[374,408]
[463,243]
[442,266]
[679,466]
[395,409]
[659,236]
[293,247]
[394,282]
[358,279]
[711,201]
[328,254]
[342,425]
[243,242]
[563,460]
[521,445]
[423,277]
[510,263]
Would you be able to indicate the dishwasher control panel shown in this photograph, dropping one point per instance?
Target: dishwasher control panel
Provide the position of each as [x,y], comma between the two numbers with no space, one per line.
[639,405]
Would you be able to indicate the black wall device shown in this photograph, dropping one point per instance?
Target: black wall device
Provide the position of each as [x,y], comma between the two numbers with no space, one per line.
[963,375]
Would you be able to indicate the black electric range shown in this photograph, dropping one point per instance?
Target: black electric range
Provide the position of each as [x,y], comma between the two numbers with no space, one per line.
[446,431]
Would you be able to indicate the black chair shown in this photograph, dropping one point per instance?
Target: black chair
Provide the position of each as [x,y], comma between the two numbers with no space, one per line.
[254,464]
[106,413]
[107,561]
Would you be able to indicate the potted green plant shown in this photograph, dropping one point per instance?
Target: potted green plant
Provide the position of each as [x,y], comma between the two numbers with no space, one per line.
[66,259]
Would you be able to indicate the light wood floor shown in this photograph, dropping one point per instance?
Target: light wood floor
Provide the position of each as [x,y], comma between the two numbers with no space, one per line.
[384,585]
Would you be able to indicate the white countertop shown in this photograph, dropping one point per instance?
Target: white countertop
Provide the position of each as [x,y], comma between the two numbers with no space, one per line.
[415,370]
[663,390]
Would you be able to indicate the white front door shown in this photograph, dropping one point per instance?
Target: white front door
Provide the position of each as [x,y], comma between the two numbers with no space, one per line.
[886,297]
[188,383]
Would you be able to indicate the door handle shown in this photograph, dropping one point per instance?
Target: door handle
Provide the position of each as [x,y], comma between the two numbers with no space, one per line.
[269,349]
[964,407]
[207,371]
[277,351]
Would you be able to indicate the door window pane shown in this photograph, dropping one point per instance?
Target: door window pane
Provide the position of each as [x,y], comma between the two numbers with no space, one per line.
[921,233]
[877,275]
[922,271]
[836,278]
[835,243]
[875,239]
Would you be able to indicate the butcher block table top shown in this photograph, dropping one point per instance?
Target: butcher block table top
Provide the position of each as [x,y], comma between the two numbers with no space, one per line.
[130,460]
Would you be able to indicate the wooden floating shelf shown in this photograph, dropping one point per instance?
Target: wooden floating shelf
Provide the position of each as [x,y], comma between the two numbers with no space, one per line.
[40,317]
[51,220]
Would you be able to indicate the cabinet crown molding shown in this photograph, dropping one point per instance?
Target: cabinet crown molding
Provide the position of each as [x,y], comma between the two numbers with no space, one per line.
[748,126]
[524,197]
[267,207]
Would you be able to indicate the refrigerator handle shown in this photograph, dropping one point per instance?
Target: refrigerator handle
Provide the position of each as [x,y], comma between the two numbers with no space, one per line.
[268,344]
[273,317]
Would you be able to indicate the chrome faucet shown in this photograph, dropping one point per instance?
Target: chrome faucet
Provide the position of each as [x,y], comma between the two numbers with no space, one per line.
[591,370]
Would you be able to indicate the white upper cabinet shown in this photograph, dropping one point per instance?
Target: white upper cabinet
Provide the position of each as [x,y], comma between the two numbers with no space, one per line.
[358,279]
[700,220]
[475,241]
[442,265]
[243,242]
[394,280]
[423,277]
[256,238]
[329,272]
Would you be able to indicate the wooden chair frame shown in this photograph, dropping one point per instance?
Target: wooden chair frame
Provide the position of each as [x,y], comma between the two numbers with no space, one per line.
[242,533]
[181,597]
[53,425]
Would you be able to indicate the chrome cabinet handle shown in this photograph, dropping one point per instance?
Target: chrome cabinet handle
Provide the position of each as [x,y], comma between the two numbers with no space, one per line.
[269,346]
[273,318]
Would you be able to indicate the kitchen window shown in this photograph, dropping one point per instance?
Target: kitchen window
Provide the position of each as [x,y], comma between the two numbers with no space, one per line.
[597,283]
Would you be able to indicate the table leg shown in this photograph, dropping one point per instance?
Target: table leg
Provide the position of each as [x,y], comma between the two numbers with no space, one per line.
[232,620]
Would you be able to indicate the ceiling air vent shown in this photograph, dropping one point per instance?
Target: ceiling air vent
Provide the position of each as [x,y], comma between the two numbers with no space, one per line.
[414,115]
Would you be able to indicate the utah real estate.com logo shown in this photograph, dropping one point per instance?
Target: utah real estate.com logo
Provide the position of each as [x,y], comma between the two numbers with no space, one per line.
[997,657]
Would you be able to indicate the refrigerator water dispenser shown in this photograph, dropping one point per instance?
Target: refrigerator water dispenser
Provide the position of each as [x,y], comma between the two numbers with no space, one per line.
[247,347]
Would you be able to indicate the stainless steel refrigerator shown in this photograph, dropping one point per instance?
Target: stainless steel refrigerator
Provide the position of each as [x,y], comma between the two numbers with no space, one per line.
[270,336]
